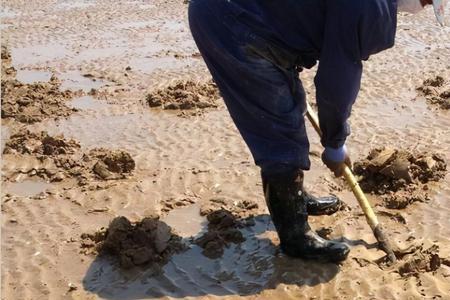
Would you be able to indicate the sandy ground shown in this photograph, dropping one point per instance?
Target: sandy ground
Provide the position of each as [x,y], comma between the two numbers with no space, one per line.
[111,55]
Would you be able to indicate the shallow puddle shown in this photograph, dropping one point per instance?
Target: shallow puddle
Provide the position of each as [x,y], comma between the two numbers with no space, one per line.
[73,4]
[115,131]
[5,12]
[99,53]
[75,81]
[27,188]
[174,26]
[25,56]
[88,102]
[5,133]
[134,25]
[32,76]
[244,269]
[186,221]
[149,65]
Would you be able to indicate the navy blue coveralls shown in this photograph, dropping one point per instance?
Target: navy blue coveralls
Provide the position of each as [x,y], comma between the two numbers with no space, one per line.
[254,50]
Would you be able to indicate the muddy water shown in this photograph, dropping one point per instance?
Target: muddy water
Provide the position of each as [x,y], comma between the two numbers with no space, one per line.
[88,103]
[32,76]
[30,55]
[27,188]
[105,130]
[5,133]
[149,65]
[186,221]
[74,80]
[77,4]
[244,269]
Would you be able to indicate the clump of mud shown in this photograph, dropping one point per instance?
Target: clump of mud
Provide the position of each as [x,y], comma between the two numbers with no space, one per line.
[30,103]
[141,243]
[172,203]
[400,176]
[27,142]
[437,92]
[185,95]
[111,164]
[414,261]
[223,229]
[60,158]
[225,218]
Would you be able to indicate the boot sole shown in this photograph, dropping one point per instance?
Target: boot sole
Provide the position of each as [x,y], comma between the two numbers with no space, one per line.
[322,258]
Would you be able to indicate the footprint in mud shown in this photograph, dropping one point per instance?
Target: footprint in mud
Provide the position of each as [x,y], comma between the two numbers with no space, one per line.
[401,177]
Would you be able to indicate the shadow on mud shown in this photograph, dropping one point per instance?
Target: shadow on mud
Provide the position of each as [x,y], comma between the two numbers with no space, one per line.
[246,268]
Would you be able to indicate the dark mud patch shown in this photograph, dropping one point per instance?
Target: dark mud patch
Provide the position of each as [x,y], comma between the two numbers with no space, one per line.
[62,158]
[185,95]
[30,103]
[111,164]
[223,230]
[436,91]
[401,177]
[142,243]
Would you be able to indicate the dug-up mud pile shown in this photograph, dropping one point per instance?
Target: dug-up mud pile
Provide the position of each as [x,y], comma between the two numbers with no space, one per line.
[185,95]
[148,241]
[225,218]
[399,176]
[61,158]
[30,103]
[223,230]
[415,260]
[437,92]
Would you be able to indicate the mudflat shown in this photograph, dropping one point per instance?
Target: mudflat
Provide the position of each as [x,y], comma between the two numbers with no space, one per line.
[123,176]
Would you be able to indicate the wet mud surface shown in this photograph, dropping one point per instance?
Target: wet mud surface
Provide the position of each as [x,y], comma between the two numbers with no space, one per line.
[119,51]
[31,103]
[185,95]
[437,92]
[401,177]
[148,241]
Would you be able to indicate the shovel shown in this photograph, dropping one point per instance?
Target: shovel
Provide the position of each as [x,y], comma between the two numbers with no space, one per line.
[372,220]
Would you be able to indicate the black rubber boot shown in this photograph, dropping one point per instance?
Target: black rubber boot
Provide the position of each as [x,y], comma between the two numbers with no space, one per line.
[318,206]
[288,208]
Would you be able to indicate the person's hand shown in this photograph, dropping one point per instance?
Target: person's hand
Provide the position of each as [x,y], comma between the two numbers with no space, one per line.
[336,159]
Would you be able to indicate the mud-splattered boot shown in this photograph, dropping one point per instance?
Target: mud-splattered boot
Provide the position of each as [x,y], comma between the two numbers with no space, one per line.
[318,206]
[288,208]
